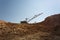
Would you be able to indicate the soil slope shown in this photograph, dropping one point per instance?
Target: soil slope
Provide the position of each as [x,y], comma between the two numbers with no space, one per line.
[49,29]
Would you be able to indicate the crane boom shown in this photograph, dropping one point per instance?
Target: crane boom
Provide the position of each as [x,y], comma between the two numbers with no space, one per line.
[34,17]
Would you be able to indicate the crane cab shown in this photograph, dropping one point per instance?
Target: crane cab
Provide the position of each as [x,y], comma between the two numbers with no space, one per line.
[24,22]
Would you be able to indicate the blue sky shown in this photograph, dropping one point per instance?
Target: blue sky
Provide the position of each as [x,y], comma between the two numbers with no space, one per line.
[18,10]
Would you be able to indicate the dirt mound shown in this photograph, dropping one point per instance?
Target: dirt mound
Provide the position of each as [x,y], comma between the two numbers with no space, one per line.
[2,21]
[52,20]
[36,31]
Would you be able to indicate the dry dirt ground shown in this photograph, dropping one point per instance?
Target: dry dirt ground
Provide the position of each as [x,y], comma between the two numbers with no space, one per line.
[49,29]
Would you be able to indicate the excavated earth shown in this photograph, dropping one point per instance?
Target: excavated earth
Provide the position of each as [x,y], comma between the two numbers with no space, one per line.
[49,29]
